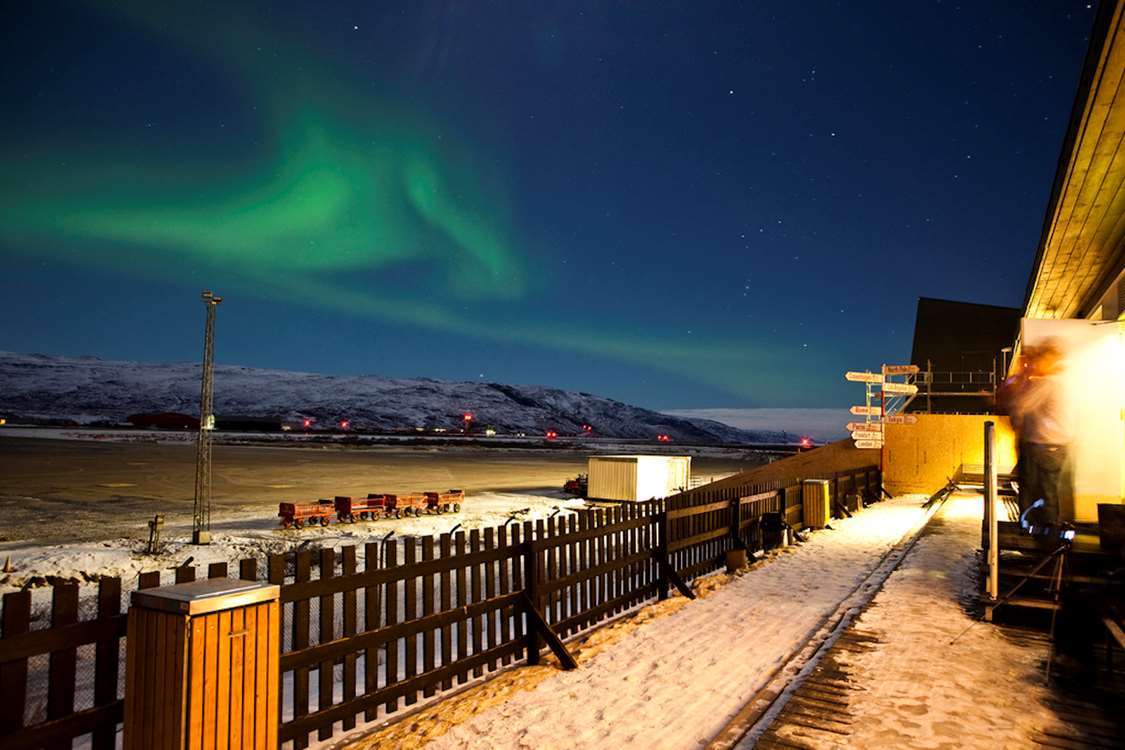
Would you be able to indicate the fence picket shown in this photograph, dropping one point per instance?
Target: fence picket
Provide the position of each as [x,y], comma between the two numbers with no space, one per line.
[326,671]
[428,604]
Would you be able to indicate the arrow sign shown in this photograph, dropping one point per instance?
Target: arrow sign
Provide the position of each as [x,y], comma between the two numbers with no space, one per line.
[901,419]
[869,444]
[867,435]
[864,377]
[904,388]
[869,426]
[900,369]
[866,411]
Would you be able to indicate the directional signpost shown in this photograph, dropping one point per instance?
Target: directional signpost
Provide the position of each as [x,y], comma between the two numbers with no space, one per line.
[883,396]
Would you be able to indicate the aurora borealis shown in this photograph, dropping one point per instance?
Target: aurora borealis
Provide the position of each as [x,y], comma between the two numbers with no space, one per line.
[666,205]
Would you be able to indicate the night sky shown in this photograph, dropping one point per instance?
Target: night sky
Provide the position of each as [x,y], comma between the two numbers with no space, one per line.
[679,205]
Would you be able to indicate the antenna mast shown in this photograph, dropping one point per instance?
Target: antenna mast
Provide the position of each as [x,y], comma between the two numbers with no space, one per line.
[201,514]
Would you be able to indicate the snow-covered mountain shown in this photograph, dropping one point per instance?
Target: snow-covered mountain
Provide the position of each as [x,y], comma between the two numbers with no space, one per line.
[88,389]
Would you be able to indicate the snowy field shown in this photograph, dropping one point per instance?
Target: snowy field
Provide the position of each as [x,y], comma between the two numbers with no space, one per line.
[672,674]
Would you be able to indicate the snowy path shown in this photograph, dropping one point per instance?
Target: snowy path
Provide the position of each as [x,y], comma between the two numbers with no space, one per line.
[917,689]
[675,680]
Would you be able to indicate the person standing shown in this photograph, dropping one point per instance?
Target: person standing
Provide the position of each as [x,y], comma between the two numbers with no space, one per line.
[1042,418]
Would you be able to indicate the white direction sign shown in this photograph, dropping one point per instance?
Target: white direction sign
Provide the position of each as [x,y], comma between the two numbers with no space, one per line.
[904,388]
[871,426]
[900,369]
[864,377]
[869,444]
[901,419]
[866,411]
[866,435]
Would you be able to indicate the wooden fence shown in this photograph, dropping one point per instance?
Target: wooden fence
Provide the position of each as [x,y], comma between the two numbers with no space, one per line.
[370,631]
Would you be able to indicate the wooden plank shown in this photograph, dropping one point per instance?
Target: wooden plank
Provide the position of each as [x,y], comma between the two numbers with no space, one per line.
[148,580]
[271,712]
[75,725]
[248,569]
[15,619]
[151,687]
[372,601]
[107,660]
[390,616]
[603,551]
[210,680]
[326,677]
[257,641]
[249,670]
[445,549]
[697,510]
[505,587]
[237,640]
[489,618]
[531,572]
[184,574]
[428,605]
[698,539]
[217,570]
[180,693]
[475,596]
[550,607]
[462,599]
[299,640]
[196,686]
[63,663]
[571,604]
[222,677]
[45,640]
[296,591]
[338,648]
[618,586]
[351,624]
[585,586]
[410,604]
[517,585]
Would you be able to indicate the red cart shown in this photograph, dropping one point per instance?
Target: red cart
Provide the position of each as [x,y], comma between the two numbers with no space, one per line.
[297,515]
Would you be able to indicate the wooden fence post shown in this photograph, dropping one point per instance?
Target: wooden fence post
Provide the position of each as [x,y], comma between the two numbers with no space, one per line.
[662,555]
[735,531]
[531,588]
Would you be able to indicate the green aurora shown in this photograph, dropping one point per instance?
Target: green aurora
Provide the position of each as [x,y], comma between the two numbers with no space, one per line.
[342,195]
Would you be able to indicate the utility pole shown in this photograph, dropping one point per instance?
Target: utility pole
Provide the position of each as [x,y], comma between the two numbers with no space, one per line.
[201,517]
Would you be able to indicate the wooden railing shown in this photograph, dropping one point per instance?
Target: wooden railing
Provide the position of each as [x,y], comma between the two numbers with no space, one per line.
[369,631]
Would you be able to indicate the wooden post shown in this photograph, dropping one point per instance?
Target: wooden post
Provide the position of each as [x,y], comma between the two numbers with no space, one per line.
[990,510]
[662,555]
[531,588]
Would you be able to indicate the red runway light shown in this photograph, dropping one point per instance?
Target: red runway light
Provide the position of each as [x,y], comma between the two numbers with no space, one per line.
[344,424]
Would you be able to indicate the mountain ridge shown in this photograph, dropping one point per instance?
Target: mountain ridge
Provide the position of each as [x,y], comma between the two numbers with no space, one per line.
[87,389]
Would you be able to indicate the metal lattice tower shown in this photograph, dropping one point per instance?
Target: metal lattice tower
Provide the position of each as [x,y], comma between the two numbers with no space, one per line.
[201,517]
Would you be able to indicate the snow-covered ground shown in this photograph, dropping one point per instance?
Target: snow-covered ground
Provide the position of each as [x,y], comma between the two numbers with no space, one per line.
[252,538]
[672,674]
[929,682]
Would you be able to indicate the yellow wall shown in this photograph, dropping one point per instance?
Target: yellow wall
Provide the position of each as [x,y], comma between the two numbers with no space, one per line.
[921,457]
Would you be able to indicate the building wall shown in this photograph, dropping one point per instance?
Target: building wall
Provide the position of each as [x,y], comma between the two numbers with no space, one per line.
[920,457]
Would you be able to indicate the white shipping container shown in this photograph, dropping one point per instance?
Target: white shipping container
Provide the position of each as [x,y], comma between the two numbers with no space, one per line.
[637,477]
